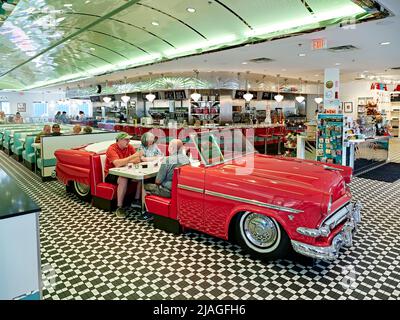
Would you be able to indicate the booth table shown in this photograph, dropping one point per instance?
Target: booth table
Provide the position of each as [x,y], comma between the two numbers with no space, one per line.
[20,270]
[138,173]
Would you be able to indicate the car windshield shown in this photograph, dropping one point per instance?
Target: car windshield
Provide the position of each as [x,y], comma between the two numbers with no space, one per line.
[222,146]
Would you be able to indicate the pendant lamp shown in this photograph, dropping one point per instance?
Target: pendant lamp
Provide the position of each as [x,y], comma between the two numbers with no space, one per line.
[278,98]
[195,95]
[300,98]
[106,99]
[247,96]
[125,98]
[150,96]
[318,99]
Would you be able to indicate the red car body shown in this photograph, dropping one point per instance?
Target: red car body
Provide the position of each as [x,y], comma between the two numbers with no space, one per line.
[304,204]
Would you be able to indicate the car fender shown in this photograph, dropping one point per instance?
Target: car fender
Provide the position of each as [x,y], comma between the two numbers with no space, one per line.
[279,216]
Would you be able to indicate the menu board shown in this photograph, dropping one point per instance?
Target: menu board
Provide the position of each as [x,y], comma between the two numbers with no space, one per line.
[268,95]
[95,99]
[180,95]
[169,95]
[330,138]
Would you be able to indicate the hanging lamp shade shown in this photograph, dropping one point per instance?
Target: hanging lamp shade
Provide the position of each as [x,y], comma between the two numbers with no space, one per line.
[125,98]
[106,99]
[150,97]
[300,99]
[278,98]
[195,96]
[248,96]
[318,100]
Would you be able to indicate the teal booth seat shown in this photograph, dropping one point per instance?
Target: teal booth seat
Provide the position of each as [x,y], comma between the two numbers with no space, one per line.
[46,163]
[7,141]
[29,152]
[17,147]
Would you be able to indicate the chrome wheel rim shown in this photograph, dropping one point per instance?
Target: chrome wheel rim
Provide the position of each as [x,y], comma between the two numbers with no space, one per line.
[82,189]
[261,231]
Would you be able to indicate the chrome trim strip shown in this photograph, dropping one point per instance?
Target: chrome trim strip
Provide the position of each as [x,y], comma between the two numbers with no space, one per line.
[184,187]
[334,213]
[332,168]
[255,202]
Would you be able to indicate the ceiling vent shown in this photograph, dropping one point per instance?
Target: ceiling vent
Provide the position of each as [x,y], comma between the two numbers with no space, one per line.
[261,60]
[342,48]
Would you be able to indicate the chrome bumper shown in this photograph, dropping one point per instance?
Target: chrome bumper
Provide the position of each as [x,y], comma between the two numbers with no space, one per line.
[344,238]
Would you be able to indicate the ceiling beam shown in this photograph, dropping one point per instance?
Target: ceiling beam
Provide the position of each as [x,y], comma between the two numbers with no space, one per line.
[91,25]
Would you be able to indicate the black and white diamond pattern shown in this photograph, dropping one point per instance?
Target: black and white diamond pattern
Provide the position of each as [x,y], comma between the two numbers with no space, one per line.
[88,253]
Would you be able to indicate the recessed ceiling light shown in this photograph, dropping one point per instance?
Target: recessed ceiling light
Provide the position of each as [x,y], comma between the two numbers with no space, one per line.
[244,62]
[338,64]
[87,1]
[155,23]
[68,5]
[93,49]
[283,69]
[316,75]
[385,43]
[302,54]
[191,10]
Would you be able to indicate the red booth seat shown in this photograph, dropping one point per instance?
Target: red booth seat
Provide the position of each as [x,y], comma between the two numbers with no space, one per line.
[100,188]
[161,206]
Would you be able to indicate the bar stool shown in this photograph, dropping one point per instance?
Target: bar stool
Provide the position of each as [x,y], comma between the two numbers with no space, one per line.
[267,136]
[279,133]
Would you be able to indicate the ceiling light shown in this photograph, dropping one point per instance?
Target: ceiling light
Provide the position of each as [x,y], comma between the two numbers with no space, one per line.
[87,1]
[125,99]
[283,70]
[191,10]
[385,43]
[155,23]
[244,62]
[318,100]
[248,96]
[106,99]
[68,5]
[278,98]
[150,97]
[93,49]
[338,64]
[302,54]
[300,99]
[195,96]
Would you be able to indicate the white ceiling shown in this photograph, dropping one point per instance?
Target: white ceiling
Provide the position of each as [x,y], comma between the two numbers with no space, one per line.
[370,56]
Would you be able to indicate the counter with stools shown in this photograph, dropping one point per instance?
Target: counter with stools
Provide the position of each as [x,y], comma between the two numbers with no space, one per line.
[20,270]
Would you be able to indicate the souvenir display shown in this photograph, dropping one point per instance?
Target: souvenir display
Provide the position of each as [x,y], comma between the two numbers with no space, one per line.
[330,138]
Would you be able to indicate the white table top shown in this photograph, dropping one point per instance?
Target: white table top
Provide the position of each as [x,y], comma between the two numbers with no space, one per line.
[136,174]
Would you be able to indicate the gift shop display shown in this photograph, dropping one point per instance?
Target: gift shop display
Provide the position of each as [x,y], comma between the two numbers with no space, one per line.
[330,141]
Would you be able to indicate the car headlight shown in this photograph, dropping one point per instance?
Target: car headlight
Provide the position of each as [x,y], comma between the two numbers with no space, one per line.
[330,204]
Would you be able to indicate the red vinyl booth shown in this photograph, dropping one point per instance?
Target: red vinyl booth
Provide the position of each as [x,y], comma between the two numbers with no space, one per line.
[104,193]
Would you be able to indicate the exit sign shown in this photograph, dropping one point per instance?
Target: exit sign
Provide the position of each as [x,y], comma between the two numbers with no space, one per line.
[318,44]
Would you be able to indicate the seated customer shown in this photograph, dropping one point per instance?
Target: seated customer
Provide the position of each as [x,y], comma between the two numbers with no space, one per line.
[76,129]
[45,132]
[149,148]
[56,130]
[176,158]
[87,129]
[150,152]
[118,155]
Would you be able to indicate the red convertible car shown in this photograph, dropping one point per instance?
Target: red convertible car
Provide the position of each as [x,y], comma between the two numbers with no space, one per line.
[269,205]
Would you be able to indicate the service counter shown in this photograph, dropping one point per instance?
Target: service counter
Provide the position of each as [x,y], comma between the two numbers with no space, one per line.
[367,154]
[20,270]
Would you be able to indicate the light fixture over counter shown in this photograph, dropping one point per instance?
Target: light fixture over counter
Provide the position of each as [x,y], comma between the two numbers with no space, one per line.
[195,95]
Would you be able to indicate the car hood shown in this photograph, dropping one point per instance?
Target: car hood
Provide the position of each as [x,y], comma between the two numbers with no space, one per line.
[294,172]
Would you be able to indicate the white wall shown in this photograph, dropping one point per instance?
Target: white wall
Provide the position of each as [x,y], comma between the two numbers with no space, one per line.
[29,98]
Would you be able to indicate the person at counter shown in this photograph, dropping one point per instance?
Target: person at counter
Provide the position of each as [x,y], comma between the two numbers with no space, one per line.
[2,117]
[63,117]
[45,132]
[57,117]
[163,183]
[118,155]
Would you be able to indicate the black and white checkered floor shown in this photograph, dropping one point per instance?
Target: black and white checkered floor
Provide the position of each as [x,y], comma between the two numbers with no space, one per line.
[90,254]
